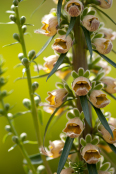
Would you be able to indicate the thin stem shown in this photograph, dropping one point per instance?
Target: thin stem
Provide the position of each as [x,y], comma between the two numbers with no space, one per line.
[33,106]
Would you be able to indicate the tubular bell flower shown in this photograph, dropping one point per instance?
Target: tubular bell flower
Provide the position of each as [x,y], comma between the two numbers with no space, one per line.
[105,4]
[49,27]
[91,22]
[108,33]
[81,86]
[74,8]
[103,172]
[98,99]
[56,97]
[106,135]
[103,46]
[55,149]
[62,44]
[74,127]
[110,84]
[67,171]
[90,154]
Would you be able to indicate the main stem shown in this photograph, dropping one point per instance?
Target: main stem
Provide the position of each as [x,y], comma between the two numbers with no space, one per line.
[33,106]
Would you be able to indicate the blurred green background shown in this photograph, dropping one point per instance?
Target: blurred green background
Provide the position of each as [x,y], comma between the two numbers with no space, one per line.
[11,162]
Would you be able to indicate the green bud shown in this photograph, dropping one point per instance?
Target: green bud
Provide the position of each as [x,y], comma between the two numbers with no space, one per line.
[15,139]
[24,28]
[16,37]
[2,81]
[13,7]
[15,2]
[12,18]
[8,128]
[10,115]
[23,136]
[1,112]
[25,62]
[37,100]
[35,85]
[31,54]
[4,93]
[22,20]
[40,169]
[20,56]
[7,106]
[27,103]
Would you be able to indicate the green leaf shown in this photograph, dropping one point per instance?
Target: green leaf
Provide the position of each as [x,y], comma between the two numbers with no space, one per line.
[71,25]
[88,39]
[76,112]
[65,153]
[11,44]
[74,74]
[105,14]
[30,142]
[92,12]
[98,87]
[44,47]
[21,113]
[103,120]
[94,141]
[70,115]
[83,142]
[38,7]
[84,104]
[106,58]
[86,74]
[92,169]
[105,166]
[88,138]
[59,6]
[112,147]
[98,35]
[59,85]
[12,148]
[6,136]
[40,115]
[80,71]
[57,64]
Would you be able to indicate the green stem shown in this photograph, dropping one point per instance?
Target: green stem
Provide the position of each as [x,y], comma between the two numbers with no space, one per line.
[33,106]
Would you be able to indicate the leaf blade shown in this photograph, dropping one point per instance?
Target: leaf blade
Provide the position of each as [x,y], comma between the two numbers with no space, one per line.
[71,25]
[59,6]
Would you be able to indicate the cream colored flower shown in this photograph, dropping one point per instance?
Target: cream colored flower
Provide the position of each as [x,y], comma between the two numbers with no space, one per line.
[74,127]
[81,86]
[62,44]
[50,110]
[91,22]
[67,171]
[98,99]
[74,8]
[108,33]
[56,97]
[50,62]
[106,135]
[112,121]
[55,149]
[90,154]
[110,84]
[105,4]
[49,27]
[103,172]
[103,46]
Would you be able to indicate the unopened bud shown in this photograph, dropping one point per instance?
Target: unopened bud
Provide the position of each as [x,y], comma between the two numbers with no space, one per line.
[27,103]
[8,128]
[15,139]
[24,28]
[23,136]
[31,54]
[16,37]
[20,56]
[15,2]
[10,115]
[7,106]
[37,100]
[22,20]
[4,93]
[13,7]
[12,18]
[25,62]
[40,169]
[35,85]
[1,112]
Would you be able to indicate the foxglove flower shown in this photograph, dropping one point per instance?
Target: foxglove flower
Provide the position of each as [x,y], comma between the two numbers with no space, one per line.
[104,4]
[108,33]
[110,84]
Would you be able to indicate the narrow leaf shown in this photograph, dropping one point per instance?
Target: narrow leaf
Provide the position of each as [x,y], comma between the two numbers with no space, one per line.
[92,169]
[106,58]
[111,95]
[65,153]
[7,22]
[29,142]
[6,136]
[113,51]
[12,148]
[57,64]
[71,25]
[11,44]
[59,6]
[88,39]
[10,11]
[84,104]
[38,7]
[112,147]
[44,47]
[40,116]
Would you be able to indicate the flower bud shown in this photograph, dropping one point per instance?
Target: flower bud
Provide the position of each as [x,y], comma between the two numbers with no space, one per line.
[10,115]
[25,62]
[90,154]
[56,97]
[13,7]
[27,103]
[7,106]
[67,171]
[35,85]
[74,8]
[15,139]
[104,4]
[50,62]
[98,99]
[8,128]
[15,2]
[37,100]
[24,28]
[49,27]
[22,20]
[12,18]
[74,127]
[16,37]
[106,135]
[31,54]
[110,84]
[103,46]
[23,136]
[4,93]
[81,86]
[1,112]
[20,56]
[108,33]
[40,169]
[103,172]
[91,22]
[62,44]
